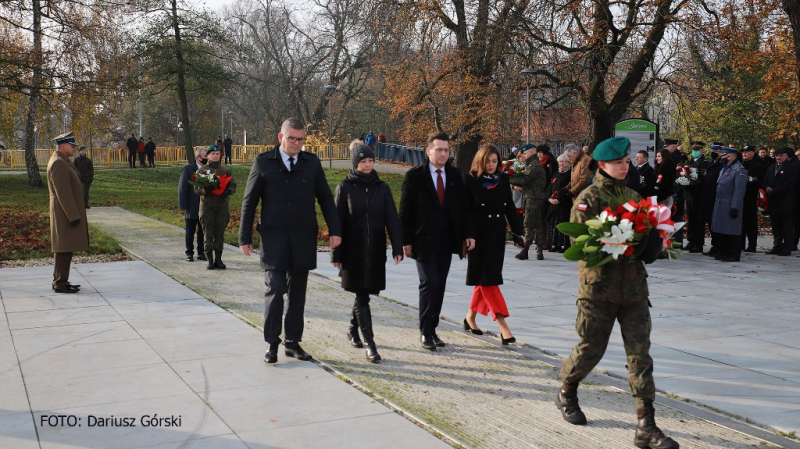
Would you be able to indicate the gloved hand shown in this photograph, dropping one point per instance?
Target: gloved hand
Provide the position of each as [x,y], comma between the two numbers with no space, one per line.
[227,193]
[75,222]
[650,247]
[734,213]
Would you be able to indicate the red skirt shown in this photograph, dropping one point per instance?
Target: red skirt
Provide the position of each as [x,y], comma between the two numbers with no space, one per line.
[487,298]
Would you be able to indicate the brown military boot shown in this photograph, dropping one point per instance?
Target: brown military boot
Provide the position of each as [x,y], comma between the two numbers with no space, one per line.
[523,255]
[648,435]
[567,402]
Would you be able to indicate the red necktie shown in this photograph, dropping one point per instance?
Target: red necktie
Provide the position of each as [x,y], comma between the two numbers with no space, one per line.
[440,187]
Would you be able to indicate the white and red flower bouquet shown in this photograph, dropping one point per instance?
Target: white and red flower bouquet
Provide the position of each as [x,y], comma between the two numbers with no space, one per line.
[623,231]
[687,176]
[513,167]
[206,178]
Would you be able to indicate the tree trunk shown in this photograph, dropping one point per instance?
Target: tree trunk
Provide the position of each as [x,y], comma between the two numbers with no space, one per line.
[32,167]
[181,86]
[601,125]
[792,9]
[466,153]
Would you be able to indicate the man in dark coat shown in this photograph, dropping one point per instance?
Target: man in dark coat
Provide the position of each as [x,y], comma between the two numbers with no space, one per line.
[228,144]
[189,204]
[133,144]
[766,160]
[755,179]
[85,169]
[727,218]
[647,175]
[779,185]
[69,231]
[150,151]
[287,181]
[696,228]
[435,223]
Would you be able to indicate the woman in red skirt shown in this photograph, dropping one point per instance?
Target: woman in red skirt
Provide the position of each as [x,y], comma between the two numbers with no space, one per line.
[490,205]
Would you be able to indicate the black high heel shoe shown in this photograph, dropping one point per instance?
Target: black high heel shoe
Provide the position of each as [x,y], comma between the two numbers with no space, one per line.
[467,327]
[507,341]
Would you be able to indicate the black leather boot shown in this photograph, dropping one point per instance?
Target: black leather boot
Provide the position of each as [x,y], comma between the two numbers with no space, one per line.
[523,255]
[218,260]
[539,255]
[352,333]
[210,257]
[567,402]
[364,316]
[647,433]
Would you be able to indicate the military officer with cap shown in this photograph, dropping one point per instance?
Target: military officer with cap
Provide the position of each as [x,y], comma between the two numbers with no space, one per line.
[616,291]
[780,186]
[86,171]
[69,232]
[727,218]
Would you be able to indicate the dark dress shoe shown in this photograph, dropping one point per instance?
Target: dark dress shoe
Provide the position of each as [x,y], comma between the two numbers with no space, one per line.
[696,249]
[749,250]
[729,259]
[272,354]
[785,254]
[427,342]
[66,289]
[189,258]
[712,252]
[438,341]
[773,251]
[76,287]
[469,328]
[298,353]
[507,341]
[201,256]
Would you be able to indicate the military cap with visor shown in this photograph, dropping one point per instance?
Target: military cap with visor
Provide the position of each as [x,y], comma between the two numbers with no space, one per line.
[66,138]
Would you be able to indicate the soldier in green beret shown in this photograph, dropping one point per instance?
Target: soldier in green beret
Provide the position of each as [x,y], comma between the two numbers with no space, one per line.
[616,291]
[532,184]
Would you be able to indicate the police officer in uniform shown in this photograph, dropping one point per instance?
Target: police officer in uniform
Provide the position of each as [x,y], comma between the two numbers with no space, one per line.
[85,169]
[214,210]
[532,184]
[616,291]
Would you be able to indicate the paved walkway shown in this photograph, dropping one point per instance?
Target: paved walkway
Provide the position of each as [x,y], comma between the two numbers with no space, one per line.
[135,342]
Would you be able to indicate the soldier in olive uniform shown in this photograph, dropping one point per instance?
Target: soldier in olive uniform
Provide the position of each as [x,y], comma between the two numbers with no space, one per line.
[533,184]
[616,291]
[86,171]
[214,211]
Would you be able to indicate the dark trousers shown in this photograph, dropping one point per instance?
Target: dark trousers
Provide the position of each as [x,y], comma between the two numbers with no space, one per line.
[61,263]
[432,279]
[677,216]
[141,159]
[293,285]
[151,159]
[750,220]
[193,225]
[796,226]
[227,156]
[86,185]
[131,159]
[730,245]
[782,232]
[696,227]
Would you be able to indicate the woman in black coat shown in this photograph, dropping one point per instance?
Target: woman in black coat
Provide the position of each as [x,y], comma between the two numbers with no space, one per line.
[366,210]
[560,204]
[490,205]
[665,177]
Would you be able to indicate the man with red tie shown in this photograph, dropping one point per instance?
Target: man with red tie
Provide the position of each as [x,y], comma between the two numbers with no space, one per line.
[435,225]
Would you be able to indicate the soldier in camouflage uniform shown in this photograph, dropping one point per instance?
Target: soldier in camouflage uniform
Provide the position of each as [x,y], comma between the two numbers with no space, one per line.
[533,184]
[85,169]
[214,211]
[616,291]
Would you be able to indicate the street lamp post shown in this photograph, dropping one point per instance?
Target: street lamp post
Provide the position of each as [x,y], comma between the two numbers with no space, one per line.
[528,71]
[230,116]
[330,88]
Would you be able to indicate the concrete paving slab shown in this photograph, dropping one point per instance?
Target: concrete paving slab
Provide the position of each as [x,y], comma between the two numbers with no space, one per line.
[35,342]
[62,317]
[86,358]
[17,430]
[166,309]
[230,441]
[20,303]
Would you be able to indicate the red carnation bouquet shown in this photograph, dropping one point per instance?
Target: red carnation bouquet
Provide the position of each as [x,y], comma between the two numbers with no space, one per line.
[206,178]
[619,230]
[761,202]
[513,167]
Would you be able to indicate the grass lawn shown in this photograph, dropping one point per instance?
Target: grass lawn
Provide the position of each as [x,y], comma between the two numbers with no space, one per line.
[151,192]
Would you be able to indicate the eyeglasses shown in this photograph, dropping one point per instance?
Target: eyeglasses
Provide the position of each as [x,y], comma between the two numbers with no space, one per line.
[295,139]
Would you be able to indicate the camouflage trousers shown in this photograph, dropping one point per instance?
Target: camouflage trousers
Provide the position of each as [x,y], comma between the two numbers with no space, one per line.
[214,223]
[535,228]
[594,324]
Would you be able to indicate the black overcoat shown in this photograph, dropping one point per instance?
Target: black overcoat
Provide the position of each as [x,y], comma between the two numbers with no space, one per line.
[490,210]
[188,200]
[665,181]
[367,211]
[559,189]
[647,180]
[418,203]
[780,201]
[288,224]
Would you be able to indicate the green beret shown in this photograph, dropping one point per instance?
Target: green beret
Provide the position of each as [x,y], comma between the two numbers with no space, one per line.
[612,149]
[527,146]
[212,148]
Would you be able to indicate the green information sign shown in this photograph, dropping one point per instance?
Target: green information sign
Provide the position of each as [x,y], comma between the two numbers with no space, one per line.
[642,133]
